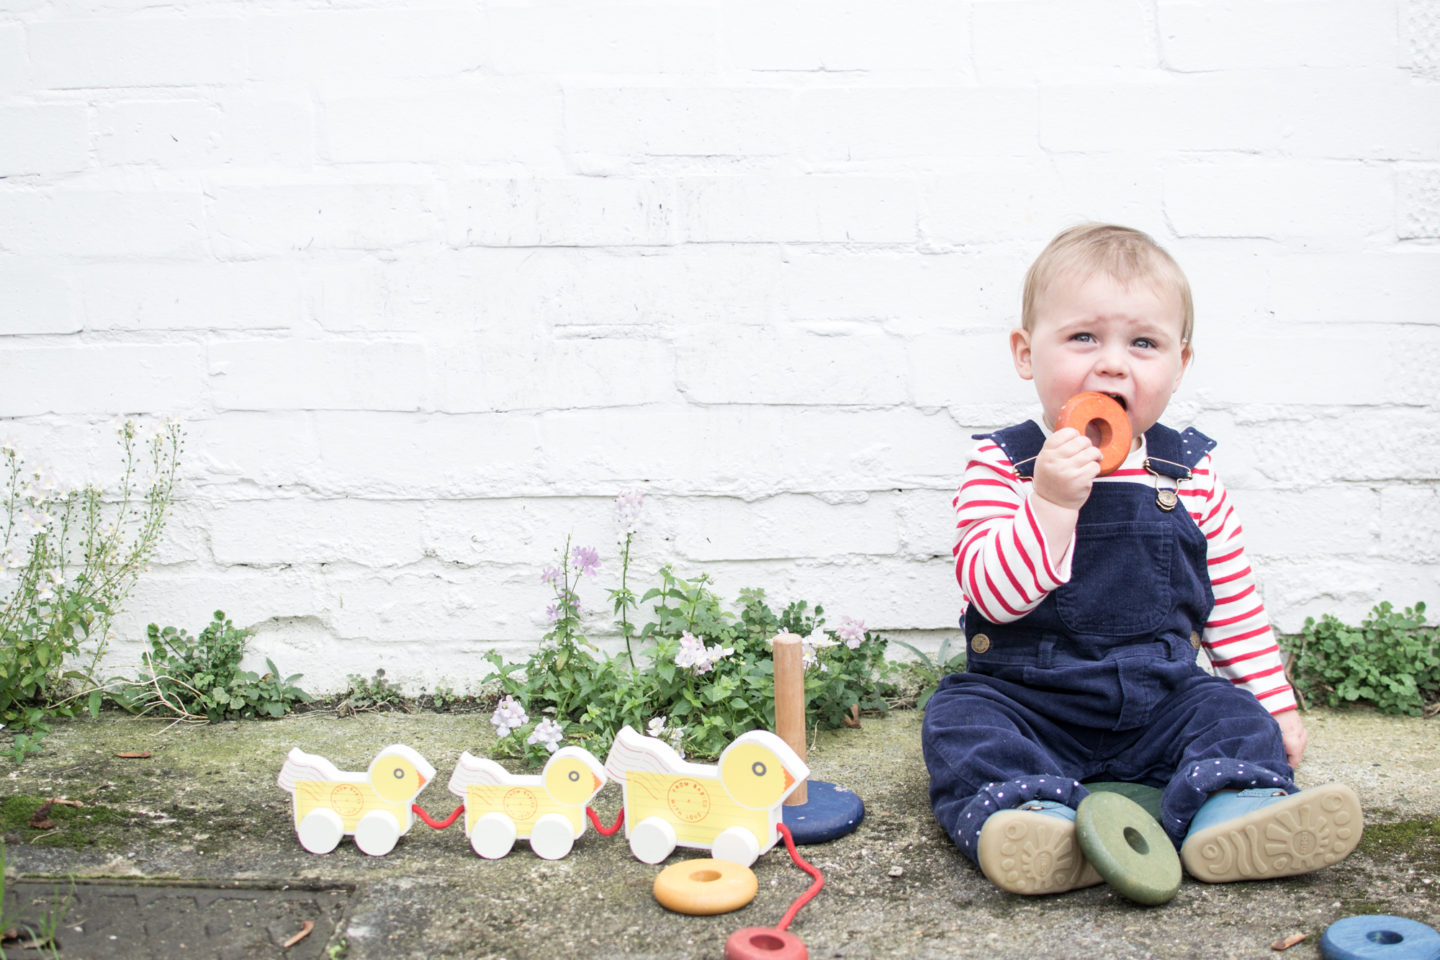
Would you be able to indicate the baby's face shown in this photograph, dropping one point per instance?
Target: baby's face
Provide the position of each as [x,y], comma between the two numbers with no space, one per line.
[1093,333]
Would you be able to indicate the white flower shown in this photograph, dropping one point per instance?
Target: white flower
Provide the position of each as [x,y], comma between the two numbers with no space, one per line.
[548,732]
[508,716]
[672,735]
[627,510]
[812,645]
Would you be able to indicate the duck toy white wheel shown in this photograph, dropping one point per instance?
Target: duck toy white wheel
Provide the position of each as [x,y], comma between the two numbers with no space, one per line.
[493,836]
[320,831]
[652,840]
[736,844]
[377,833]
[552,837]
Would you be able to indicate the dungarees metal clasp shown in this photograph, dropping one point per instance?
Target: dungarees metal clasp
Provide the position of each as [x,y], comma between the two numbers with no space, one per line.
[1167,498]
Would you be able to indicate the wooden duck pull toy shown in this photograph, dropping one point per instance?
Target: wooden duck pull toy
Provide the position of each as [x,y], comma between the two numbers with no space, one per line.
[373,806]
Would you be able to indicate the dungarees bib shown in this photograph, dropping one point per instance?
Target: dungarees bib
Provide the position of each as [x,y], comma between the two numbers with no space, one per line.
[1106,647]
[1100,680]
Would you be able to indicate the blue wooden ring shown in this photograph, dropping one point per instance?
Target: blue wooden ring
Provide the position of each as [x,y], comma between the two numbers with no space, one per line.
[829,812]
[1380,937]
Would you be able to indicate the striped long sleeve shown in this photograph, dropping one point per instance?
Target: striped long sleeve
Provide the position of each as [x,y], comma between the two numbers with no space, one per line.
[1005,568]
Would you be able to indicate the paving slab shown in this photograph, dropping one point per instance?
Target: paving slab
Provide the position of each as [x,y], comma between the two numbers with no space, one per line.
[132,920]
[202,812]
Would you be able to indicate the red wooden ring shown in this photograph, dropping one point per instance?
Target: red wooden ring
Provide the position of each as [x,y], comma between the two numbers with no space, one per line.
[1103,420]
[764,943]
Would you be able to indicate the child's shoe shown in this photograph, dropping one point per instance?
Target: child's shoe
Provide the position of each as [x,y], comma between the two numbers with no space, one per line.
[1258,834]
[1032,849]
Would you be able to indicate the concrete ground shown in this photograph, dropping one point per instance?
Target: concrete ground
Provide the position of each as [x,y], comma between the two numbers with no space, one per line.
[202,813]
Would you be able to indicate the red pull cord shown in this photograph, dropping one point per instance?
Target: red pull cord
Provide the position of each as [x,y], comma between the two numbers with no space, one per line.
[437,824]
[800,862]
[600,828]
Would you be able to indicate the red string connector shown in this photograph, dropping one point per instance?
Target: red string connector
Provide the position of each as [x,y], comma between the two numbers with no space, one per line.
[437,824]
[600,828]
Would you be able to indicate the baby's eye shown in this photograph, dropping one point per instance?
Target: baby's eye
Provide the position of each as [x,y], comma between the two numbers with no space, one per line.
[1083,337]
[1144,343]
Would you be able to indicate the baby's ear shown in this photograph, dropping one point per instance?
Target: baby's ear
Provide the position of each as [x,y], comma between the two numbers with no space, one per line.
[1020,352]
[1186,355]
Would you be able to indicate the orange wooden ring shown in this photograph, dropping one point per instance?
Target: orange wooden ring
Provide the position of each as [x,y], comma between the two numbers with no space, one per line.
[705,887]
[1103,420]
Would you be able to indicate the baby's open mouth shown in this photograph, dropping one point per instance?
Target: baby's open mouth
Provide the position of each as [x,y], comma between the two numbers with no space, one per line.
[1120,400]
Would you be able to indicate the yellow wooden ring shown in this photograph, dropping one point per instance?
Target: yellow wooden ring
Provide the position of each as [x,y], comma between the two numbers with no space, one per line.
[704,887]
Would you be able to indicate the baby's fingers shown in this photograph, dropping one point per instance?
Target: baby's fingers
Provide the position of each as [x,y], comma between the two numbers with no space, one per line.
[1070,444]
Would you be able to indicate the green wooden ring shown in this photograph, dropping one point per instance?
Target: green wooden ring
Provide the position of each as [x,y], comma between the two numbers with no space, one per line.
[1128,848]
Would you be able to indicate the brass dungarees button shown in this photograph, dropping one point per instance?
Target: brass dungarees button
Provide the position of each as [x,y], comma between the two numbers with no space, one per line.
[979,643]
[1194,639]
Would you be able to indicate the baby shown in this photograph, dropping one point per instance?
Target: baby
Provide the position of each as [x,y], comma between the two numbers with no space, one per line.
[1089,597]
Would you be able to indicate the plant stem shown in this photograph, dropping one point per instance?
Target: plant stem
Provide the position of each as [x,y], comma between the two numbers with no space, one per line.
[625,600]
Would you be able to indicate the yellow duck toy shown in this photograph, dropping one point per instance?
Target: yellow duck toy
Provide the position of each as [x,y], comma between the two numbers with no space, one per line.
[373,806]
[731,808]
[548,808]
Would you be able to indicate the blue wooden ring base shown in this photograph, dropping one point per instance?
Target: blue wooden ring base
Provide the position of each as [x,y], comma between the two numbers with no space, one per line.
[828,813]
[1379,937]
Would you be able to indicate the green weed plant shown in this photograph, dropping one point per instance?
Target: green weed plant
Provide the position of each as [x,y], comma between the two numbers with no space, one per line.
[372,693]
[199,679]
[1392,660]
[68,561]
[931,670]
[695,674]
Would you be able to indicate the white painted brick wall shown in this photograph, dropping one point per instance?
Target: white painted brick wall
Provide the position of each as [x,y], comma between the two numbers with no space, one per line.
[430,284]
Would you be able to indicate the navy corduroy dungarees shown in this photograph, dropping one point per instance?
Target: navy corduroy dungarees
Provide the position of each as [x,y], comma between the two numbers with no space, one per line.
[1099,682]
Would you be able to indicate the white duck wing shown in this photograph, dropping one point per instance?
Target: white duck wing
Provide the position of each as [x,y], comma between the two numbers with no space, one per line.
[471,770]
[634,751]
[300,765]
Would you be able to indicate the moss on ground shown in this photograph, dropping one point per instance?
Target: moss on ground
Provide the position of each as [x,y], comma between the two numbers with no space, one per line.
[1417,841]
[75,827]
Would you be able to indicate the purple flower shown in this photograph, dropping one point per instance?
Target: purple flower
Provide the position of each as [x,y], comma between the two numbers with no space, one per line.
[694,656]
[550,575]
[586,560]
[508,716]
[851,632]
[548,732]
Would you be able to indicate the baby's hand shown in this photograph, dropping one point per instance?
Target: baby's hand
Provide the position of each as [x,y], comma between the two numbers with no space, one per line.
[1065,469]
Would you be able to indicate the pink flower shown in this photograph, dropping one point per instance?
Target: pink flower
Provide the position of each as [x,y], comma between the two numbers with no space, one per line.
[586,560]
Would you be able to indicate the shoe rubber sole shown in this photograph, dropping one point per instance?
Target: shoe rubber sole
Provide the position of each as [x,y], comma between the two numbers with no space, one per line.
[1024,851]
[1303,832]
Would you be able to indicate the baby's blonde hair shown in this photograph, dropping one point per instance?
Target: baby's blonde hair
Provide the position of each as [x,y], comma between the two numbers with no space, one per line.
[1123,254]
